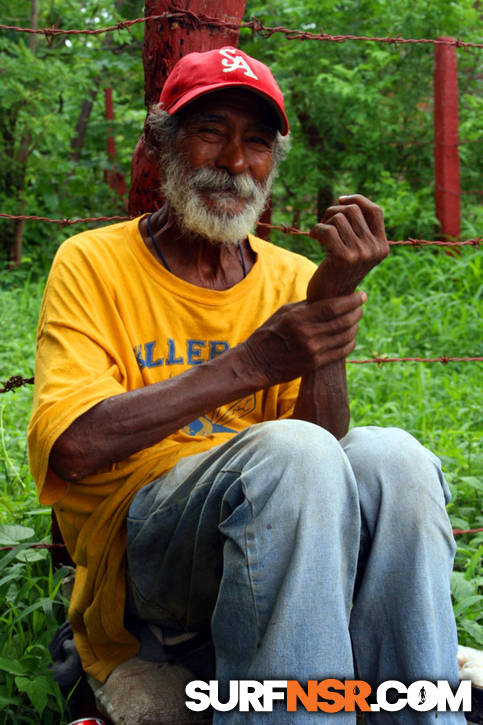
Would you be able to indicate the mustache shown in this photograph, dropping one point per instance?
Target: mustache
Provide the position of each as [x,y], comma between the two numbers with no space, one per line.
[220,181]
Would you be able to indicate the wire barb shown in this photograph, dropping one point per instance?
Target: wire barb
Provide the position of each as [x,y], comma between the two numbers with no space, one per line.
[16,381]
[285,228]
[255,24]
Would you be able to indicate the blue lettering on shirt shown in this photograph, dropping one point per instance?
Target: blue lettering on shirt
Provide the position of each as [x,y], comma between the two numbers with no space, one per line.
[217,347]
[148,355]
[140,360]
[172,359]
[194,350]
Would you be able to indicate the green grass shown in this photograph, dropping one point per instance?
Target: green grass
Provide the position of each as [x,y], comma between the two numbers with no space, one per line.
[421,303]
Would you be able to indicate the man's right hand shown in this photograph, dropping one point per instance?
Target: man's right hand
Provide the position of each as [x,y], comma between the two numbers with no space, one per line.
[301,337]
[298,338]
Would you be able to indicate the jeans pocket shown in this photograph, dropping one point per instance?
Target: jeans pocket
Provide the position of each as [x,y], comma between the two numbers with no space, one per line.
[148,541]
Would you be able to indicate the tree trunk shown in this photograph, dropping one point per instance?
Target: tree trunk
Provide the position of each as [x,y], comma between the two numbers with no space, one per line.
[83,120]
[34,21]
[15,247]
[164,44]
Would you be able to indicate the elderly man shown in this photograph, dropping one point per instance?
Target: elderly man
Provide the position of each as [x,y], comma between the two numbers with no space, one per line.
[170,428]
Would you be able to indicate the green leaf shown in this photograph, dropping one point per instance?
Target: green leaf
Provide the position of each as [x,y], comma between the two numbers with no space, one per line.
[11,534]
[475,631]
[473,563]
[474,482]
[467,603]
[32,555]
[37,689]
[461,588]
[14,667]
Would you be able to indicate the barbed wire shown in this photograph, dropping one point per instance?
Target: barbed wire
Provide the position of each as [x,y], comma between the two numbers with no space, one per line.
[17,381]
[467,531]
[285,228]
[444,359]
[40,545]
[255,25]
[64,222]
[475,242]
[459,193]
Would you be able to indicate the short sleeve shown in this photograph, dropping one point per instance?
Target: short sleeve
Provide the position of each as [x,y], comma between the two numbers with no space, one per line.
[76,364]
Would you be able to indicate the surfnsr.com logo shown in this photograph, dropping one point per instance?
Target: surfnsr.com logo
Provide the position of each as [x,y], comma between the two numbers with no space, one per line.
[329,695]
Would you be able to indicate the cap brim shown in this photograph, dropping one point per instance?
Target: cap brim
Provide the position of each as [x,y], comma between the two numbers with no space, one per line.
[196,93]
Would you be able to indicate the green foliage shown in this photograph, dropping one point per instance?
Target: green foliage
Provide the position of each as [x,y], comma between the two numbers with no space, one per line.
[32,609]
[361,113]
[44,92]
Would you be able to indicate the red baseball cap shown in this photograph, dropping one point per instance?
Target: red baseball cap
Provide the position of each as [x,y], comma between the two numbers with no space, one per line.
[228,67]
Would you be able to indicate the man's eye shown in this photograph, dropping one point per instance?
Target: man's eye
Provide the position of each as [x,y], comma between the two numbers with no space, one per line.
[207,129]
[261,141]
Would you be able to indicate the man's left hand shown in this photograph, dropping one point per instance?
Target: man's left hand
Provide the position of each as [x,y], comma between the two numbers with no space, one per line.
[352,232]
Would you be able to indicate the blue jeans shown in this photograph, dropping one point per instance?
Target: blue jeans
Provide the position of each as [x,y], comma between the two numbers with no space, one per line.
[309,557]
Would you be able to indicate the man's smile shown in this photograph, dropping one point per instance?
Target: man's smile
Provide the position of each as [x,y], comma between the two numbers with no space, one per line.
[224,202]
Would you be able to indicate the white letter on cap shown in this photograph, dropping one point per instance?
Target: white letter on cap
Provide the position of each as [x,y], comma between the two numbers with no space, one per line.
[232,62]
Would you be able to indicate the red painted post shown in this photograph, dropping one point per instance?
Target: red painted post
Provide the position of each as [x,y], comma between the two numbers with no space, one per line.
[111,144]
[446,149]
[164,44]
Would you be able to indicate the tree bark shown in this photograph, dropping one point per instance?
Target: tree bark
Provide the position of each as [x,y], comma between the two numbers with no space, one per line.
[164,44]
[83,120]
[15,247]
[34,21]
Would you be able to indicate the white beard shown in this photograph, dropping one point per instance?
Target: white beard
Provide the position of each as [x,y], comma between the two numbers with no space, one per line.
[182,187]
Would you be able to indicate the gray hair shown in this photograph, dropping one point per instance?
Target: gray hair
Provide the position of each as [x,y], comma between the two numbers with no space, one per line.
[163,128]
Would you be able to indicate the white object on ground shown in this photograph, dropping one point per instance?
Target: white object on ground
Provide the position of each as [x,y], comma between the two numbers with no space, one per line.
[470,665]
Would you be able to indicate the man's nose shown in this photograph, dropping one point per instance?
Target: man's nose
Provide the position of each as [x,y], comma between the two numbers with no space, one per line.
[232,157]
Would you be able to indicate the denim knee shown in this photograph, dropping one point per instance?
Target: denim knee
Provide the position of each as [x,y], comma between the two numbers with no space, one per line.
[305,449]
[298,466]
[393,468]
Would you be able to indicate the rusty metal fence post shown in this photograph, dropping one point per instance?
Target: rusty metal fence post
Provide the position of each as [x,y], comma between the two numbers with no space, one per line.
[446,148]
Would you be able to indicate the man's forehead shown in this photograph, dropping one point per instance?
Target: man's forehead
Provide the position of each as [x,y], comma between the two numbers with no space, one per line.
[217,104]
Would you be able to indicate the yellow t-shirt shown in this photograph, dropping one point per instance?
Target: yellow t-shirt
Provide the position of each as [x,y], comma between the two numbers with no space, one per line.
[113,320]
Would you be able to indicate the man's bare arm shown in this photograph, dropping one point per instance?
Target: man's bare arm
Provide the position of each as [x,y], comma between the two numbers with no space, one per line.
[298,338]
[354,237]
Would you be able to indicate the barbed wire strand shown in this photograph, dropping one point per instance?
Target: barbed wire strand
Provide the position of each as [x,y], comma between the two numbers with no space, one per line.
[255,25]
[17,381]
[286,229]
[444,359]
[467,531]
[64,222]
